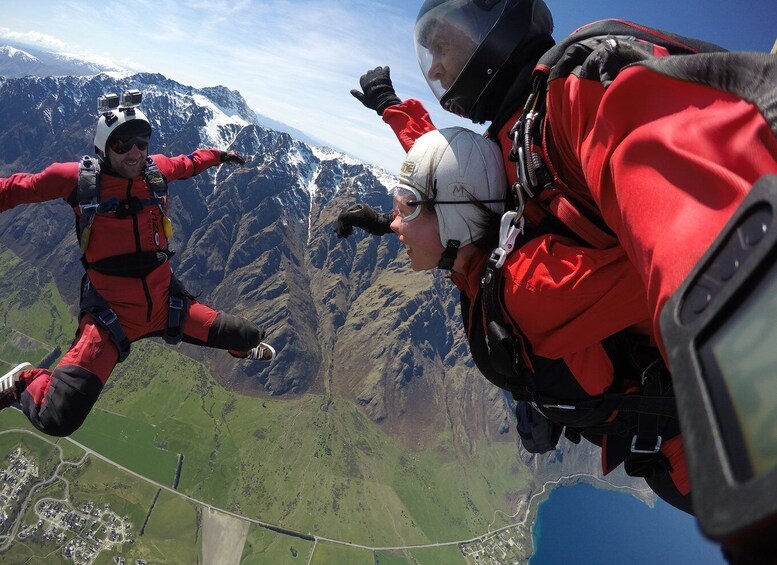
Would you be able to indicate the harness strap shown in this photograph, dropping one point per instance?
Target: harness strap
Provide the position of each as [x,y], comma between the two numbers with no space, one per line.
[88,196]
[563,208]
[449,255]
[95,305]
[534,178]
[155,180]
[645,458]
[88,193]
[643,420]
[128,207]
[506,349]
[131,265]
[176,311]
[660,406]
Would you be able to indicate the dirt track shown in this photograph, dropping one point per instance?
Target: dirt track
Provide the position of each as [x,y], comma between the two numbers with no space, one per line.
[223,537]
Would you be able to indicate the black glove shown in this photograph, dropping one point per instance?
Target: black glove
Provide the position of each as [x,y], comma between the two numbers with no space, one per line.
[378,92]
[364,217]
[232,157]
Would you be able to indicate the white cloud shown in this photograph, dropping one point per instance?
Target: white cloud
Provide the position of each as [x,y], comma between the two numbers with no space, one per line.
[33,38]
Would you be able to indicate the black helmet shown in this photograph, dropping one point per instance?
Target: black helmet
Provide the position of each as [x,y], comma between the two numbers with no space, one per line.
[466,47]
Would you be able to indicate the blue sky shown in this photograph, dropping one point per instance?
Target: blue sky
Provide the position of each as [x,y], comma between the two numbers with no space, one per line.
[296,60]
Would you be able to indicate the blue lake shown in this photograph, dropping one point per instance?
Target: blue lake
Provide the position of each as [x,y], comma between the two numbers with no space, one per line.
[582,525]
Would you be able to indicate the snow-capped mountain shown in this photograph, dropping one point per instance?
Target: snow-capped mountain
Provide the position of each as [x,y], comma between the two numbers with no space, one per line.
[22,60]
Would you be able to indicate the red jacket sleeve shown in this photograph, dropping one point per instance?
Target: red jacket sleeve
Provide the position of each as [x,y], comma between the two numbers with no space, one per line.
[666,155]
[185,166]
[56,181]
[409,120]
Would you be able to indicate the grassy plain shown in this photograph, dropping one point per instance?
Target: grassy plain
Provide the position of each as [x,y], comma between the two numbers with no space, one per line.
[446,555]
[130,443]
[328,553]
[263,546]
[287,462]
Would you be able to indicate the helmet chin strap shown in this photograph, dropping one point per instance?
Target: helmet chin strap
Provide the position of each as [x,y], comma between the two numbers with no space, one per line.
[449,255]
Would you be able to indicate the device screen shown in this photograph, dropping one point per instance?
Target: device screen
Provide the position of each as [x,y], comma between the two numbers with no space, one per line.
[740,355]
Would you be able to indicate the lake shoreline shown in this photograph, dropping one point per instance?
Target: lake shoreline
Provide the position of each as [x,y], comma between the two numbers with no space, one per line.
[585,525]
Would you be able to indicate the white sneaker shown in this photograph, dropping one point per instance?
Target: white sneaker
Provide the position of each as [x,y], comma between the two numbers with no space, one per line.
[9,379]
[262,352]
[7,382]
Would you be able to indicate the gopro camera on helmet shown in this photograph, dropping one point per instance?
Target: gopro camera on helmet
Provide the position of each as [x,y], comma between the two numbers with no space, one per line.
[107,103]
[720,335]
[131,98]
[128,100]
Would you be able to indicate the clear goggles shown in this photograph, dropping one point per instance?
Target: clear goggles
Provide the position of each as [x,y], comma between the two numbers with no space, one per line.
[408,202]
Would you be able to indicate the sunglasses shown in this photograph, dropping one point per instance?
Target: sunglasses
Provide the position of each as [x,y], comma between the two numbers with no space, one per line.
[121,145]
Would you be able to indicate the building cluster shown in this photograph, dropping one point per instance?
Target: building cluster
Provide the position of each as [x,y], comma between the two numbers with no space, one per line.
[15,480]
[82,532]
[506,547]
[85,532]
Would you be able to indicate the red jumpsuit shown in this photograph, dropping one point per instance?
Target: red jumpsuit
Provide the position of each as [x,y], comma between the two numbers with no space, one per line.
[664,150]
[58,401]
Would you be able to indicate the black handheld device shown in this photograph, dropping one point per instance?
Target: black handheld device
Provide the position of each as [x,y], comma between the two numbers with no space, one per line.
[720,334]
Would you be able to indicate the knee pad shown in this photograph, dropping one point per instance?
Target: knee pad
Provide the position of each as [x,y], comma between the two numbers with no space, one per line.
[233,332]
[67,402]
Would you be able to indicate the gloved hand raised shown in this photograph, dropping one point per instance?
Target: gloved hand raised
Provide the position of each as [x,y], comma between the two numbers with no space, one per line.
[232,157]
[377,90]
[364,217]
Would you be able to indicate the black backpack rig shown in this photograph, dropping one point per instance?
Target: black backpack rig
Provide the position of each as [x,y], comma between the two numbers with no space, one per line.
[637,412]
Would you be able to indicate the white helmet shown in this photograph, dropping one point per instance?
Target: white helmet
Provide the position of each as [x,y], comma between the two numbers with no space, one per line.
[460,172]
[131,121]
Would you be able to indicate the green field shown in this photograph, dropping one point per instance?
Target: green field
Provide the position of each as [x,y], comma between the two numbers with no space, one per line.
[33,317]
[130,443]
[281,460]
[263,546]
[287,462]
[329,553]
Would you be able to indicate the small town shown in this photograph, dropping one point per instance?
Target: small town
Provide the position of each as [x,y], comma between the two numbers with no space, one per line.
[82,533]
[505,547]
